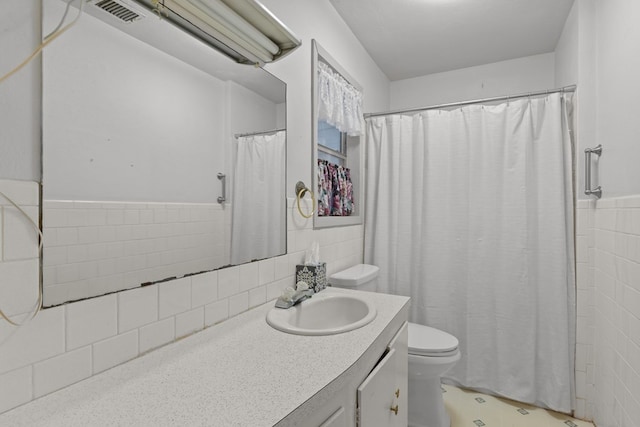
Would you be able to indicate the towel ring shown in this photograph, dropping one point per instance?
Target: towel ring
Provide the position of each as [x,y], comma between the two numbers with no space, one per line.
[301,189]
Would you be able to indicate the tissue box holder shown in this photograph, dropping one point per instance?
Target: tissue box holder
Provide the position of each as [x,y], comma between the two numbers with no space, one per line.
[314,275]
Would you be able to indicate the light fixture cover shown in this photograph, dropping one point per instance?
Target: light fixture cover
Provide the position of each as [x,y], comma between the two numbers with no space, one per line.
[244,30]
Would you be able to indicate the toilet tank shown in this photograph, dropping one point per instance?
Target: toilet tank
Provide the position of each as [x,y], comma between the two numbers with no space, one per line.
[363,277]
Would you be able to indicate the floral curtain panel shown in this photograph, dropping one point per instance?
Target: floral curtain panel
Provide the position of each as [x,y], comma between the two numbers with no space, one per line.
[335,188]
[340,103]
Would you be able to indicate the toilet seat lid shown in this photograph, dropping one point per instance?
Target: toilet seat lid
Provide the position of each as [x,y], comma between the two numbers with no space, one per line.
[427,341]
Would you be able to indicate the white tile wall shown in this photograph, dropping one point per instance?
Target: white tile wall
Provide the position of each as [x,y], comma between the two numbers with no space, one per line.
[67,343]
[37,340]
[114,351]
[228,282]
[216,312]
[21,235]
[585,310]
[60,371]
[91,320]
[16,388]
[94,248]
[615,261]
[238,303]
[174,297]
[137,307]
[204,288]
[157,334]
[19,263]
[15,297]
[257,296]
[189,322]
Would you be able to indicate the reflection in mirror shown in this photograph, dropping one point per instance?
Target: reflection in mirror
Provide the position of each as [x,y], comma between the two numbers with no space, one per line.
[138,121]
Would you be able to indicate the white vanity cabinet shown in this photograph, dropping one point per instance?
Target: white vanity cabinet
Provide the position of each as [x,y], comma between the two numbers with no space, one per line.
[374,396]
[382,396]
[337,419]
[256,375]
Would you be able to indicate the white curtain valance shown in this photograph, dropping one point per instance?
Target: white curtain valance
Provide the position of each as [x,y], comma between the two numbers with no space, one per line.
[339,102]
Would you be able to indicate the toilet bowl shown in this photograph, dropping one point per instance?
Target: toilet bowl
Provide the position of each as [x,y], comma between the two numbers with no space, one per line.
[432,352]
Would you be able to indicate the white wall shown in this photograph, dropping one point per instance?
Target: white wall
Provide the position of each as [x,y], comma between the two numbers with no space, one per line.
[566,53]
[20,94]
[575,65]
[517,76]
[618,67]
[68,343]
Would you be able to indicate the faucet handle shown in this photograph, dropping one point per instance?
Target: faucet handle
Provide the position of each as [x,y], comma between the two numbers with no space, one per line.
[302,286]
[289,297]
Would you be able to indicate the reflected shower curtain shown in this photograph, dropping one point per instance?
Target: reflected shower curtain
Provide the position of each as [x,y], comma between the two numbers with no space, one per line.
[470,212]
[258,204]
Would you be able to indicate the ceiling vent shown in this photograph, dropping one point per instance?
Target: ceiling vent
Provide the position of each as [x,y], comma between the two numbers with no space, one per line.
[120,9]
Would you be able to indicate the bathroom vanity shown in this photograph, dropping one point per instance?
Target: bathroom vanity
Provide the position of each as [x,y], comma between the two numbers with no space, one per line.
[243,372]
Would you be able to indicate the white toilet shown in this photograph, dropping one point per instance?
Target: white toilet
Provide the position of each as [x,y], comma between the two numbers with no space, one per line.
[431,353]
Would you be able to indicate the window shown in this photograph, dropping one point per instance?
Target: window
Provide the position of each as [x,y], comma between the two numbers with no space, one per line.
[337,119]
[332,144]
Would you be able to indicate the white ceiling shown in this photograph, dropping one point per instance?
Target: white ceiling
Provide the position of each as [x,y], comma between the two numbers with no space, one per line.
[410,38]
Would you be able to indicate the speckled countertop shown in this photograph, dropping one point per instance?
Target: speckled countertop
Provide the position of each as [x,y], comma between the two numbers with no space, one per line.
[241,372]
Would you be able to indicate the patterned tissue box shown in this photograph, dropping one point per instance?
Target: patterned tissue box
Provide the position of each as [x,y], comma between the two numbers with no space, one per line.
[314,275]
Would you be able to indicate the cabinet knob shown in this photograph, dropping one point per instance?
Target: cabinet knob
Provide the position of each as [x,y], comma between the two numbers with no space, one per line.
[394,409]
[397,393]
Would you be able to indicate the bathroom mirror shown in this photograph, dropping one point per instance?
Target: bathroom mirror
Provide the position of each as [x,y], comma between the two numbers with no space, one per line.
[143,129]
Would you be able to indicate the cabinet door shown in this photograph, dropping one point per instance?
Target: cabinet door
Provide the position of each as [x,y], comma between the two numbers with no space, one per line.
[400,343]
[378,405]
[338,419]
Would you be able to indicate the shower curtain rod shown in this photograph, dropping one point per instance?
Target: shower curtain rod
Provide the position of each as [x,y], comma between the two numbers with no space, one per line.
[565,89]
[266,132]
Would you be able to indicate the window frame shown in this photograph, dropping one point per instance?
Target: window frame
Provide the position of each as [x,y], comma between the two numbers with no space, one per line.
[354,147]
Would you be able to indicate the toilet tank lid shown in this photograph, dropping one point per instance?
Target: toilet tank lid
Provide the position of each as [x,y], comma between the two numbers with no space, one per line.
[354,276]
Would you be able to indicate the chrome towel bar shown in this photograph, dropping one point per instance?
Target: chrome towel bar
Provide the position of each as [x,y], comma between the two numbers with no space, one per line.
[587,171]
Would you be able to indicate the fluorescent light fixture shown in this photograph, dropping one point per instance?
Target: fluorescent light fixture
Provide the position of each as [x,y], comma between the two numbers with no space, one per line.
[244,30]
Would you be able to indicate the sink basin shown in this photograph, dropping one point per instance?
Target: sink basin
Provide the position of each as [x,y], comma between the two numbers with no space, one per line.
[323,314]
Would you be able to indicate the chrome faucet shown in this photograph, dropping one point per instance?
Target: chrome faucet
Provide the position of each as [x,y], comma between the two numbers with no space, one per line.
[289,299]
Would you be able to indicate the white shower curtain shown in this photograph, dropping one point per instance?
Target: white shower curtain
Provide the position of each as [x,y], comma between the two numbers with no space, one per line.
[470,212]
[258,202]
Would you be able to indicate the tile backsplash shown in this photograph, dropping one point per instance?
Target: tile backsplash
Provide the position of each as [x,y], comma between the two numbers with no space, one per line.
[93,248]
[68,343]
